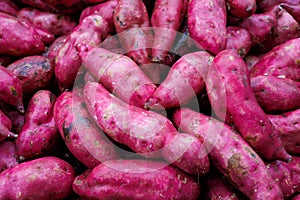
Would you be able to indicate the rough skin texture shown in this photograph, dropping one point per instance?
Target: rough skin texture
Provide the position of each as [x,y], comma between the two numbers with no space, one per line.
[136,180]
[54,48]
[230,154]
[8,157]
[81,135]
[238,38]
[9,7]
[241,8]
[207,24]
[5,127]
[43,178]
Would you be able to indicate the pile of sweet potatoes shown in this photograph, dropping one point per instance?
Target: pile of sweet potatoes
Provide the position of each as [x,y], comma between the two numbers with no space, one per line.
[149,99]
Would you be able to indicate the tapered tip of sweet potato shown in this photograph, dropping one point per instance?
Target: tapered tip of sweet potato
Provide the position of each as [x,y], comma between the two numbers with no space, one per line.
[281,154]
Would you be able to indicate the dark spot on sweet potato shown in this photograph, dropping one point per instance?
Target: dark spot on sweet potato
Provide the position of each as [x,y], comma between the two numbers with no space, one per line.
[52,98]
[67,132]
[234,165]
[13,91]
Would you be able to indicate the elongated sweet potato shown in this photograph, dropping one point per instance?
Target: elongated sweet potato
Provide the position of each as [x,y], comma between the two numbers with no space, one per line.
[238,38]
[119,74]
[241,106]
[288,126]
[136,180]
[9,7]
[92,30]
[43,178]
[294,10]
[207,24]
[230,154]
[276,94]
[34,72]
[81,135]
[167,16]
[39,134]
[5,127]
[241,8]
[8,157]
[282,61]
[264,5]
[11,89]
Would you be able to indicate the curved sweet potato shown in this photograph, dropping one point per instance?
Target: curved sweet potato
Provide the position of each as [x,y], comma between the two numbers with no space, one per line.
[241,8]
[9,7]
[238,38]
[8,157]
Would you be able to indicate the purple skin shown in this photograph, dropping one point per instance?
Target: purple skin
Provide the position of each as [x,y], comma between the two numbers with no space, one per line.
[39,135]
[11,89]
[207,24]
[294,10]
[94,1]
[143,131]
[241,8]
[238,38]
[251,60]
[5,127]
[9,7]
[42,178]
[276,94]
[288,126]
[136,179]
[39,4]
[66,6]
[72,118]
[272,63]
[264,5]
[17,120]
[230,154]
[119,74]
[8,157]
[54,48]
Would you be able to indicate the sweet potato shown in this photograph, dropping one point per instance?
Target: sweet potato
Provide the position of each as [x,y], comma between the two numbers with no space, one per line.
[17,120]
[8,157]
[273,63]
[294,10]
[288,126]
[264,5]
[43,178]
[241,8]
[13,43]
[241,106]
[230,154]
[40,4]
[276,94]
[9,7]
[207,24]
[184,81]
[287,175]
[81,135]
[34,72]
[166,19]
[11,89]
[54,48]
[238,38]
[92,30]
[136,180]
[5,127]
[119,74]
[105,10]
[54,23]
[66,6]
[39,135]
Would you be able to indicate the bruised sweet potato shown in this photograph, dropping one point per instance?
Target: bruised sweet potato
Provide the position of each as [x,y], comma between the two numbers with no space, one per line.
[288,126]
[238,38]
[81,135]
[5,127]
[207,24]
[43,178]
[294,10]
[9,7]
[241,8]
[39,134]
[136,179]
[276,94]
[230,154]
[8,157]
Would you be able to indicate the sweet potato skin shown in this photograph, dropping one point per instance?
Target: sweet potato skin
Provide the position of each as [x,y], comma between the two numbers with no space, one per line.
[43,178]
[241,8]
[238,38]
[72,119]
[207,24]
[276,94]
[264,5]
[5,127]
[230,154]
[294,10]
[66,6]
[8,7]
[8,157]
[54,48]
[130,179]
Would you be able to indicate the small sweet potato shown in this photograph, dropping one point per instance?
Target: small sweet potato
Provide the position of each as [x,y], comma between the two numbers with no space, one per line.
[136,179]
[238,38]
[39,134]
[276,94]
[230,154]
[241,8]
[5,127]
[294,10]
[8,157]
[9,7]
[207,24]
[81,135]
[43,178]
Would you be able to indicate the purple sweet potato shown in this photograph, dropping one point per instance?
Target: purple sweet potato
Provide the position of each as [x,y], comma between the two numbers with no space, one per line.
[288,126]
[282,61]
[35,72]
[17,38]
[276,94]
[105,10]
[119,74]
[9,7]
[242,108]
[241,8]
[66,6]
[54,48]
[81,135]
[166,19]
[92,30]
[207,24]
[39,135]
[294,10]
[238,38]
[8,157]
[230,154]
[54,23]
[184,81]
[5,127]
[11,89]
[17,120]
[43,178]
[136,179]
[264,5]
